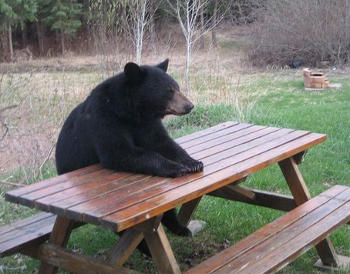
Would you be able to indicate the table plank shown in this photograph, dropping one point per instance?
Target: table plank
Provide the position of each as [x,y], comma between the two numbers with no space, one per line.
[206,131]
[99,192]
[90,201]
[312,237]
[226,150]
[11,195]
[24,222]
[28,198]
[139,212]
[63,189]
[287,237]
[13,235]
[86,191]
[215,135]
[229,151]
[245,132]
[110,202]
[229,254]
[71,178]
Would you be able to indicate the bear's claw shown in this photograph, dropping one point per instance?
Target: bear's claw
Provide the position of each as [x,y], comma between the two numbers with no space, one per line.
[195,166]
[180,171]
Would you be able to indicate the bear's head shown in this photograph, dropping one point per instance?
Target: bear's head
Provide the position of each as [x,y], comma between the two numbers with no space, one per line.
[154,92]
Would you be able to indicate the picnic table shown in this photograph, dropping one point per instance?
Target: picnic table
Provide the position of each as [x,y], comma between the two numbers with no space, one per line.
[134,204]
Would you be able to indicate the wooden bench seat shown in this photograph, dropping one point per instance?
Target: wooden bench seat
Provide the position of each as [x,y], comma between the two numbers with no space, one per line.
[280,242]
[23,234]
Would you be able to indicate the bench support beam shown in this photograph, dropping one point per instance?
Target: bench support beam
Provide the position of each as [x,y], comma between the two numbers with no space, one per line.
[259,197]
[76,263]
[301,194]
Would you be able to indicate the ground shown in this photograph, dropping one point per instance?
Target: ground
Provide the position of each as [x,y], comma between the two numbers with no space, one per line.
[223,87]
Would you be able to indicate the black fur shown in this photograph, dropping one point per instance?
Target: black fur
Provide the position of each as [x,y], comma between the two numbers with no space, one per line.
[119,126]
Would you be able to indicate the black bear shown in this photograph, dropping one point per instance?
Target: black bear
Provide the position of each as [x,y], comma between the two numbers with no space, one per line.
[119,126]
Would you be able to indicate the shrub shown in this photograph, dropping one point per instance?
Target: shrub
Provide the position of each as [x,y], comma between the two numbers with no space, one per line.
[305,32]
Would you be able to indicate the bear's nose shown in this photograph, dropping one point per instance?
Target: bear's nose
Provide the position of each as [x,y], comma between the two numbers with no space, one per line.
[189,107]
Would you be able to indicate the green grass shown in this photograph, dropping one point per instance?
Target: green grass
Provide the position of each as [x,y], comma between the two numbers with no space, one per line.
[280,101]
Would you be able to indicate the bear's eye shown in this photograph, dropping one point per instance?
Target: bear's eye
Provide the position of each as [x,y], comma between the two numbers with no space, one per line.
[171,90]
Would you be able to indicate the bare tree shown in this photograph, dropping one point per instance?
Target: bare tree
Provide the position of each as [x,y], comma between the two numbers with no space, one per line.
[188,13]
[9,28]
[213,31]
[138,19]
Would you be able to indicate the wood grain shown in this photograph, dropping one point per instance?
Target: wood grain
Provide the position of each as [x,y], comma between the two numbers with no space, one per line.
[204,132]
[80,193]
[287,236]
[161,251]
[52,181]
[126,245]
[232,170]
[59,236]
[215,135]
[106,204]
[229,152]
[301,194]
[76,263]
[247,134]
[24,233]
[271,235]
[261,198]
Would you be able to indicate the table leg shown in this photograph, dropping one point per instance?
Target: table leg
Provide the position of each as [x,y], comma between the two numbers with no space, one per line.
[187,210]
[161,251]
[59,236]
[301,194]
[126,245]
[157,242]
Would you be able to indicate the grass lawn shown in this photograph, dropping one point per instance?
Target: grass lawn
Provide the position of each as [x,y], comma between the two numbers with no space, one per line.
[279,100]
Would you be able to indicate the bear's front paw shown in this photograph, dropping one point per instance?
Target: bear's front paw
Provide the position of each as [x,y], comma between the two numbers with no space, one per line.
[195,166]
[178,171]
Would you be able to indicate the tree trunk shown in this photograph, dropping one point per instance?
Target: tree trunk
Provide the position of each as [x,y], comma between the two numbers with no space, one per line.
[24,36]
[201,39]
[213,30]
[153,32]
[62,42]
[10,40]
[86,25]
[347,21]
[57,37]
[40,37]
[188,35]
[140,17]
[188,63]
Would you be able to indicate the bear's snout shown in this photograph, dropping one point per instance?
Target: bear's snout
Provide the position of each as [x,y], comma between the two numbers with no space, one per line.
[189,107]
[179,104]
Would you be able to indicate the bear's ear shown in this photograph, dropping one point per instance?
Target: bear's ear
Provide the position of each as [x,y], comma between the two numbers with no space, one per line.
[132,71]
[164,65]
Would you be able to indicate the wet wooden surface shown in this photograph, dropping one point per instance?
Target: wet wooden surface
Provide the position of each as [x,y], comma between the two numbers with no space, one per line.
[283,240]
[119,200]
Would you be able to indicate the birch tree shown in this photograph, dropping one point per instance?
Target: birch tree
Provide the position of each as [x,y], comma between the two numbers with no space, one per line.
[140,15]
[187,13]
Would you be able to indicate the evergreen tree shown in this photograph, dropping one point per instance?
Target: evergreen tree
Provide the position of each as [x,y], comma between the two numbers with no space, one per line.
[64,17]
[15,13]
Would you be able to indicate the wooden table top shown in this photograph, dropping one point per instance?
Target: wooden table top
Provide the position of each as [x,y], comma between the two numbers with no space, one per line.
[119,200]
